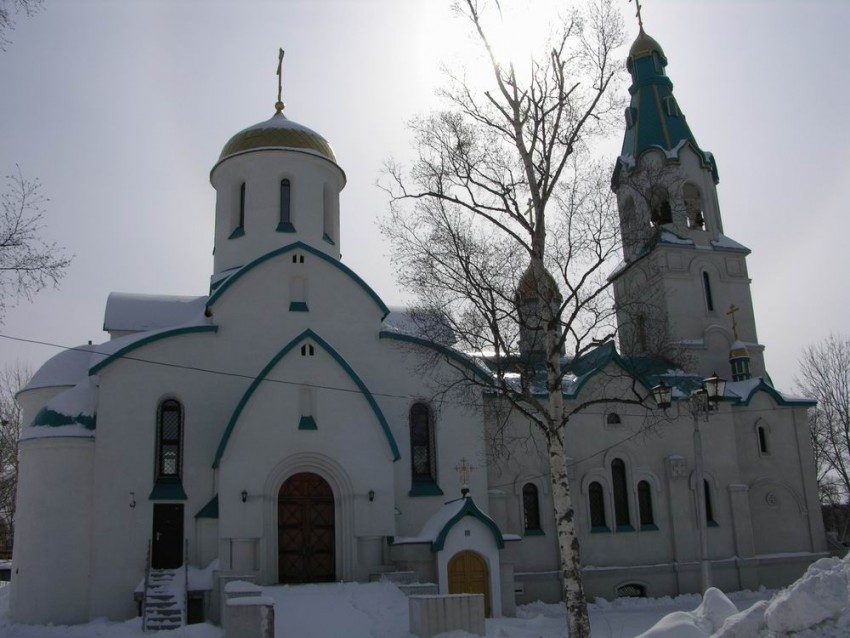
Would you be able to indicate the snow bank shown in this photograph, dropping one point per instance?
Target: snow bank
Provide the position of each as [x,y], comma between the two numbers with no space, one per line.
[818,604]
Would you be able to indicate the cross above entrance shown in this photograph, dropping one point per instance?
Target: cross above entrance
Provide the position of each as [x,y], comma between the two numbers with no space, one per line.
[463,469]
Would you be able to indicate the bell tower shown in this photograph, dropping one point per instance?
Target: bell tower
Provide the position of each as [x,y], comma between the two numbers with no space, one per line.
[680,274]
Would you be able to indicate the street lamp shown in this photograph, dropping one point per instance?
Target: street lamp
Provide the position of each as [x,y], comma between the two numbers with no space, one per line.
[700,404]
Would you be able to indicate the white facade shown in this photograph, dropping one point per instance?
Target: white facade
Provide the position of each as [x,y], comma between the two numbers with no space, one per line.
[282,425]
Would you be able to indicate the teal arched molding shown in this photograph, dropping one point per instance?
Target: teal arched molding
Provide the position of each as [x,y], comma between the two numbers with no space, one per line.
[227,283]
[307,334]
[469,508]
[156,336]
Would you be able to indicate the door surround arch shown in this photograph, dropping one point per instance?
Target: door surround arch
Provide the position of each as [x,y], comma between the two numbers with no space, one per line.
[343,493]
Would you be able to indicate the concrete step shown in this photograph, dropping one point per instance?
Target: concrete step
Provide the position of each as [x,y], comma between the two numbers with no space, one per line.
[399,577]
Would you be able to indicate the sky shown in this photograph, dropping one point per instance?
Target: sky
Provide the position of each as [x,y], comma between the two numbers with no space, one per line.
[121,109]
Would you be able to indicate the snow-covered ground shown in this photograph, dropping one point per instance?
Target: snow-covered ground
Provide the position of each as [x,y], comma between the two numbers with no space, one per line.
[816,606]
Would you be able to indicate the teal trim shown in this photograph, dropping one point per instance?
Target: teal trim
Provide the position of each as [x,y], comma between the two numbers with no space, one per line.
[600,529]
[328,239]
[307,423]
[534,532]
[424,488]
[625,528]
[298,306]
[307,334]
[52,419]
[288,248]
[157,336]
[210,510]
[285,227]
[449,353]
[239,231]
[595,362]
[469,509]
[649,527]
[168,489]
[780,400]
[711,524]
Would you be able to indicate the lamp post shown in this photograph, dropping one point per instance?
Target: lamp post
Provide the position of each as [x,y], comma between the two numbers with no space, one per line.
[700,404]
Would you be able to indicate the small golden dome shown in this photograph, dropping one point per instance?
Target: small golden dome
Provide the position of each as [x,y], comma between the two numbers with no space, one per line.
[645,45]
[527,287]
[278,133]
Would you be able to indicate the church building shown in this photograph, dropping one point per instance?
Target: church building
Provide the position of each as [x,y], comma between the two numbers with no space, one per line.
[279,428]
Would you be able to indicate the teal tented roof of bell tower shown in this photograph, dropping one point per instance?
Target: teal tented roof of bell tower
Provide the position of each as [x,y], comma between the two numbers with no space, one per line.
[653,117]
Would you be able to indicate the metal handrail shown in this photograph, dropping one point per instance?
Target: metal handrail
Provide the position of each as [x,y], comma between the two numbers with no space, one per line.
[145,592]
[186,581]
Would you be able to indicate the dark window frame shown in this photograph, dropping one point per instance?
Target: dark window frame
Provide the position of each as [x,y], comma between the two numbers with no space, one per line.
[169,440]
[596,501]
[531,509]
[423,462]
[620,488]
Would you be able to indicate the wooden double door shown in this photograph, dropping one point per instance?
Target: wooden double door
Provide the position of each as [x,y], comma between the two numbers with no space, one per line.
[305,530]
[468,574]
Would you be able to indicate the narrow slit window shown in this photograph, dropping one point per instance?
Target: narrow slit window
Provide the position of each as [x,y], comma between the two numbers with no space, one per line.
[647,520]
[709,510]
[242,206]
[285,221]
[706,284]
[621,493]
[530,508]
[169,439]
[423,465]
[596,498]
[762,440]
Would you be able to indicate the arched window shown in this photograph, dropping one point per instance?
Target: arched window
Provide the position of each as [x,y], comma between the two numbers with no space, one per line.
[709,510]
[621,493]
[693,206]
[530,508]
[597,507]
[285,222]
[169,439]
[659,205]
[612,418]
[631,590]
[647,520]
[422,460]
[706,284]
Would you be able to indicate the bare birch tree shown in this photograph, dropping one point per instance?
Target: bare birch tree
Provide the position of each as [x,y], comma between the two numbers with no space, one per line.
[8,9]
[12,379]
[27,262]
[825,376]
[504,228]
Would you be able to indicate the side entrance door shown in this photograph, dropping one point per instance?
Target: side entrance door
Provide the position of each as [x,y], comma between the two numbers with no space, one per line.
[305,530]
[468,574]
[167,537]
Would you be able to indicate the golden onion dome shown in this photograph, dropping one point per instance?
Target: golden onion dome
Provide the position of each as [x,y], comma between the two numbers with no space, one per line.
[527,287]
[278,133]
[645,45]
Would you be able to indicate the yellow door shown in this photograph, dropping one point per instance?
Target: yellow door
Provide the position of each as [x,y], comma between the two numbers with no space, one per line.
[468,575]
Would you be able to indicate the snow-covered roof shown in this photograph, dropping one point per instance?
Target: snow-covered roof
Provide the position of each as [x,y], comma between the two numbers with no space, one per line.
[414,323]
[437,527]
[65,368]
[723,241]
[69,413]
[137,313]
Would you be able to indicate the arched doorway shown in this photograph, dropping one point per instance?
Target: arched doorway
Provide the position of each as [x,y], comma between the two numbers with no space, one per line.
[468,574]
[305,530]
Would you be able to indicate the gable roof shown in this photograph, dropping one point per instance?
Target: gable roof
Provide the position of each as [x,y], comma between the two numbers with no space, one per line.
[307,334]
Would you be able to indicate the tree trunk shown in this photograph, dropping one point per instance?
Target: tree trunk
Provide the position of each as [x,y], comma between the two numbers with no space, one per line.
[572,589]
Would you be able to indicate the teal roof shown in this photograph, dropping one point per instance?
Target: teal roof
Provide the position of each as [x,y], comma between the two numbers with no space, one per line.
[653,117]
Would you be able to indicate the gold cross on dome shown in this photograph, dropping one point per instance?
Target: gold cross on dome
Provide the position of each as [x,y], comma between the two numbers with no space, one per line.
[640,20]
[279,104]
[732,310]
[464,468]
